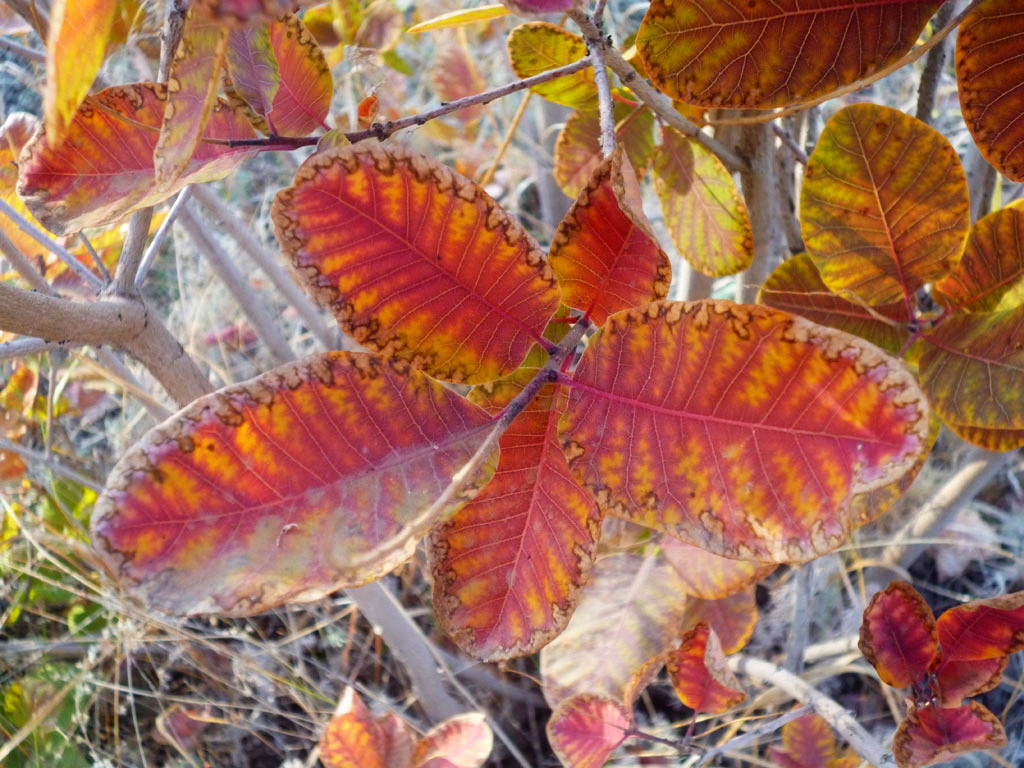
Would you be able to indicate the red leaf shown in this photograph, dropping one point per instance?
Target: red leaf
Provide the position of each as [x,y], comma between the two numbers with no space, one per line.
[509,565]
[103,169]
[318,474]
[983,629]
[586,729]
[416,262]
[932,735]
[463,741]
[898,635]
[700,675]
[740,429]
[958,680]
[604,254]
[709,576]
[303,97]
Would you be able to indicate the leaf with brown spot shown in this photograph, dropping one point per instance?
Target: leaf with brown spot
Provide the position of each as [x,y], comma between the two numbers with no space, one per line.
[932,735]
[316,475]
[700,675]
[897,635]
[704,213]
[415,261]
[983,629]
[578,150]
[538,46]
[604,253]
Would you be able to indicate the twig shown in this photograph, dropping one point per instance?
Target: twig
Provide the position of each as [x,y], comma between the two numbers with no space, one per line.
[269,263]
[23,266]
[981,181]
[108,365]
[40,458]
[39,57]
[96,260]
[597,44]
[61,253]
[761,197]
[170,36]
[791,145]
[946,504]
[933,64]
[745,739]
[131,252]
[840,719]
[29,346]
[161,235]
[239,287]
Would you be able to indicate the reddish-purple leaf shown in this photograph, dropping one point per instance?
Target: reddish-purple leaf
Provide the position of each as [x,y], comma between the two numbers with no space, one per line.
[898,635]
[932,735]
[983,629]
[586,729]
[961,679]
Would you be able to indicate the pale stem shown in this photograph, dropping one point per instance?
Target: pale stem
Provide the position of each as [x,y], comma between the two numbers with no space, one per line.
[161,236]
[131,252]
[761,196]
[746,739]
[96,260]
[61,253]
[38,57]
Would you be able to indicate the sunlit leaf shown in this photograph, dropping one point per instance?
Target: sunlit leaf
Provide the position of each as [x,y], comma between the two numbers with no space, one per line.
[191,94]
[897,635]
[353,738]
[700,675]
[807,742]
[464,741]
[963,678]
[316,475]
[989,70]
[509,565]
[303,99]
[604,253]
[795,286]
[704,213]
[75,43]
[740,429]
[578,150]
[538,46]
[768,54]
[630,614]
[971,369]
[459,18]
[706,575]
[103,169]
[733,618]
[585,729]
[415,261]
[983,629]
[16,131]
[884,206]
[454,76]
[990,276]
[932,735]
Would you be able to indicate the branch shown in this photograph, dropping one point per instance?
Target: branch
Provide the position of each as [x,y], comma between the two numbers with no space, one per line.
[29,346]
[96,260]
[38,57]
[61,253]
[597,43]
[39,458]
[170,36]
[761,196]
[131,252]
[840,719]
[161,235]
[23,266]
[932,73]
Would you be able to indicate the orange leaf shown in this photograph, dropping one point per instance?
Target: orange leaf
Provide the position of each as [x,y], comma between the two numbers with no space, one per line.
[103,169]
[990,276]
[971,369]
[586,729]
[509,565]
[303,98]
[932,735]
[989,70]
[353,738]
[983,629]
[709,576]
[733,618]
[704,213]
[796,286]
[768,54]
[898,635]
[464,741]
[455,75]
[884,206]
[807,742]
[700,675]
[316,475]
[629,615]
[76,41]
[958,680]
[604,254]
[191,94]
[740,429]
[578,150]
[415,261]
[538,46]
[16,131]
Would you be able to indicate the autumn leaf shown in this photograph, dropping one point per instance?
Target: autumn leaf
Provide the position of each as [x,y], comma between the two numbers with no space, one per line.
[585,729]
[989,70]
[75,44]
[604,253]
[743,430]
[455,75]
[956,680]
[704,213]
[459,18]
[733,618]
[464,741]
[538,46]
[769,54]
[578,151]
[932,735]
[15,133]
[983,629]
[245,11]
[884,205]
[705,575]
[316,475]
[700,675]
[103,169]
[352,738]
[897,635]
[808,742]
[508,567]
[415,261]
[303,97]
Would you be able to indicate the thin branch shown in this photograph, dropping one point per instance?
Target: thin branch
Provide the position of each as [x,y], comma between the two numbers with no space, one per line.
[38,57]
[791,145]
[170,36]
[841,720]
[761,196]
[597,44]
[29,346]
[96,259]
[981,181]
[131,253]
[746,739]
[933,64]
[236,283]
[161,235]
[23,266]
[268,262]
[61,253]
[506,141]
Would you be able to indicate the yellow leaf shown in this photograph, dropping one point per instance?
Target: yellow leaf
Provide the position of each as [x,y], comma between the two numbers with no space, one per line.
[460,18]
